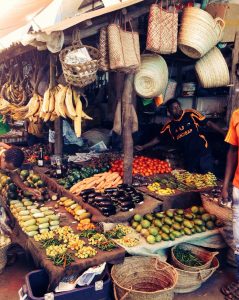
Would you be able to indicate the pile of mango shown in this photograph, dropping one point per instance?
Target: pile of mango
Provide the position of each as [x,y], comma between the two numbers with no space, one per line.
[172,224]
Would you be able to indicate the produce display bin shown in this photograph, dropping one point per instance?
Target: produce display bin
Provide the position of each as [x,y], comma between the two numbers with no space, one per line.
[36,284]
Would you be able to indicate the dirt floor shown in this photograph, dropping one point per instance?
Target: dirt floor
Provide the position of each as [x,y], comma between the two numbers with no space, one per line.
[12,279]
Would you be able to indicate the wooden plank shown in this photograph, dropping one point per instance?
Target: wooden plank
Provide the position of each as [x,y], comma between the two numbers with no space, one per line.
[233,100]
[69,22]
[127,128]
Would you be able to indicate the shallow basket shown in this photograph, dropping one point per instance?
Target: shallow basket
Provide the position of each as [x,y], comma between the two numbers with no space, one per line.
[212,70]
[189,281]
[200,252]
[83,74]
[199,32]
[152,78]
[144,278]
[222,213]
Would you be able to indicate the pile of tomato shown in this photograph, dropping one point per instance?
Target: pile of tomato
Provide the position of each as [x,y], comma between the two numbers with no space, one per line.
[143,165]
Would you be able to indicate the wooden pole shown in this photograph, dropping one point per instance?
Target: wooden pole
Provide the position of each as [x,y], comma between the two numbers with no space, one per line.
[58,121]
[233,100]
[127,128]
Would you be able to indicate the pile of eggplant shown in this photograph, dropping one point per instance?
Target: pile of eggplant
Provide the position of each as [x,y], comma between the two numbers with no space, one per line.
[123,198]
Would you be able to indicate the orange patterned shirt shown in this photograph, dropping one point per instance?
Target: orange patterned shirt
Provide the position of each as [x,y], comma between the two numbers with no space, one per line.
[233,139]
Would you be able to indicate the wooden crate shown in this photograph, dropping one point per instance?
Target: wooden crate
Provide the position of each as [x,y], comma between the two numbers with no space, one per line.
[229,12]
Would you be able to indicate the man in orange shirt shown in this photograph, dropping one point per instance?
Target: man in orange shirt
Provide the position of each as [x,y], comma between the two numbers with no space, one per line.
[232,169]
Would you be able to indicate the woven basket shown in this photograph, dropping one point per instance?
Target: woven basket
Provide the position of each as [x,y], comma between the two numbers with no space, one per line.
[144,278]
[152,78]
[212,70]
[170,90]
[124,49]
[104,64]
[162,30]
[201,253]
[222,213]
[83,74]
[190,281]
[199,32]
[3,257]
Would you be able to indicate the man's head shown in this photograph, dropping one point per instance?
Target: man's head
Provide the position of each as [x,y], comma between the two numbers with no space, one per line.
[12,159]
[174,108]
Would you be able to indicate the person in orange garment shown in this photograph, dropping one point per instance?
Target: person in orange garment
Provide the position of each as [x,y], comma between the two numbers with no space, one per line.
[232,171]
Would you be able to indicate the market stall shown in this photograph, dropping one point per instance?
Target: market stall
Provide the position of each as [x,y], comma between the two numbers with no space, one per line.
[74,208]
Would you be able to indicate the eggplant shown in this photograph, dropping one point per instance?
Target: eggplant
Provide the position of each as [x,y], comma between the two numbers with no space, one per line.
[85,198]
[138,196]
[101,198]
[105,203]
[110,209]
[92,195]
[91,201]
[87,192]
[127,198]
[124,209]
[136,184]
[110,190]
[123,186]
[119,194]
[130,189]
[127,204]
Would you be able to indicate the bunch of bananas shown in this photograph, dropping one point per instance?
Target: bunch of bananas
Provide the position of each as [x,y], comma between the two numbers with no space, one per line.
[198,181]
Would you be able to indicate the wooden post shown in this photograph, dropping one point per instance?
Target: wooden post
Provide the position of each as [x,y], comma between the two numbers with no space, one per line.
[58,121]
[127,128]
[233,100]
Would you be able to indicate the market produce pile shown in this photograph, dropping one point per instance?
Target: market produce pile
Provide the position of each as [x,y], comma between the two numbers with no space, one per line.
[173,224]
[71,174]
[196,181]
[98,182]
[113,200]
[77,211]
[143,165]
[33,218]
[62,244]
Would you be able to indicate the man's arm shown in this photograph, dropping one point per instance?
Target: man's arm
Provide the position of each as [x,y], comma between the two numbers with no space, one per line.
[216,128]
[17,180]
[152,143]
[5,146]
[230,169]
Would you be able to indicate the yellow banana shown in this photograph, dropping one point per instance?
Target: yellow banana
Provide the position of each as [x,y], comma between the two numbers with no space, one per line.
[51,106]
[47,117]
[46,100]
[85,116]
[33,106]
[60,102]
[69,104]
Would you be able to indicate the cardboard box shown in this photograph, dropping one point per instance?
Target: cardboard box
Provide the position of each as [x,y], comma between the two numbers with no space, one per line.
[229,12]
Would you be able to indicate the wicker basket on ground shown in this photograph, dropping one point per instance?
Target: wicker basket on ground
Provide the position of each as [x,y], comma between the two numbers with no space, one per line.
[205,256]
[222,213]
[80,74]
[144,278]
[3,257]
[189,281]
[199,32]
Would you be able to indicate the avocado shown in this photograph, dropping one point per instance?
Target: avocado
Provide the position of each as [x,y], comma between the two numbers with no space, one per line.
[198,222]
[188,224]
[168,221]
[165,229]
[206,217]
[169,213]
[187,231]
[180,211]
[188,216]
[159,215]
[210,225]
[172,237]
[178,219]
[176,233]
[198,229]
[165,237]
[149,217]
[176,226]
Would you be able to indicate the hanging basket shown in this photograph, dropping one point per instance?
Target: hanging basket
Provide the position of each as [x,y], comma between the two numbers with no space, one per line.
[144,278]
[212,70]
[199,32]
[152,78]
[80,74]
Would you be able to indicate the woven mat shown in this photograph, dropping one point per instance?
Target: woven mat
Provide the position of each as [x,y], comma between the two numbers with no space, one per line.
[148,206]
[115,256]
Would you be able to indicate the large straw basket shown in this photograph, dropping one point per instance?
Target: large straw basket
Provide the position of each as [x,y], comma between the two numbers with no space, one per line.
[190,281]
[199,32]
[222,213]
[201,253]
[144,278]
[212,69]
[152,78]
[3,257]
[82,74]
